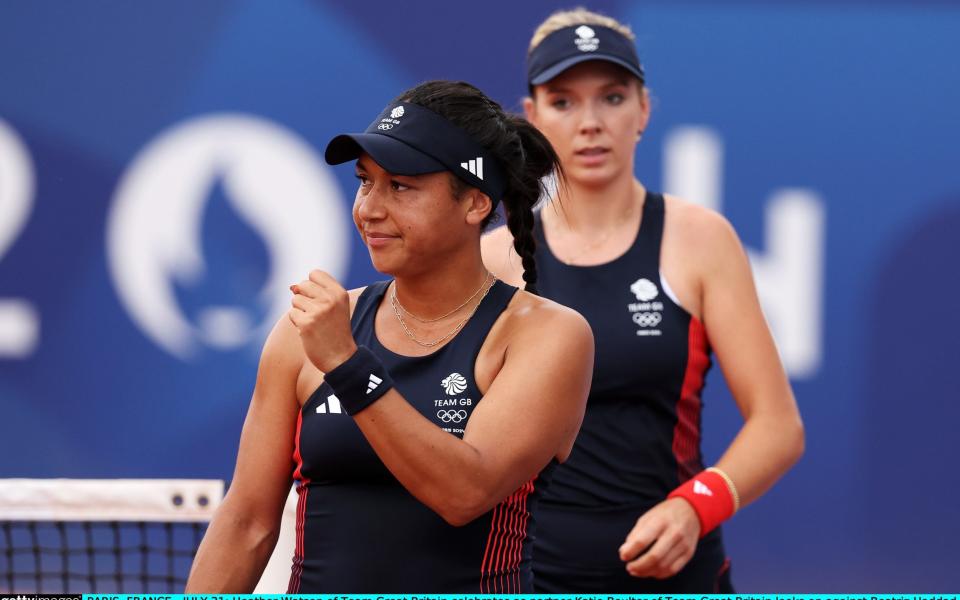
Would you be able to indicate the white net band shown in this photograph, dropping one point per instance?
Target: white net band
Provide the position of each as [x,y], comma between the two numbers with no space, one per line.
[167,500]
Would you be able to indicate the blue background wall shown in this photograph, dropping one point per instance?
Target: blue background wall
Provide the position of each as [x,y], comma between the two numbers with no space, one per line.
[854,103]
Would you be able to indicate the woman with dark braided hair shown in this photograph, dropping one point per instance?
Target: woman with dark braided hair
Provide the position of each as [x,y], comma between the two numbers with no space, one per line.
[424,414]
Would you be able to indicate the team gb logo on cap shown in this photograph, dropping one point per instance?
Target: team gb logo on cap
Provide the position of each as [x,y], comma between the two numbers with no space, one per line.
[586,39]
[388,123]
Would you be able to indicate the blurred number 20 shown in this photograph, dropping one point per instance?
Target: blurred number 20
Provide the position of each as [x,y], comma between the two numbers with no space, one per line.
[19,320]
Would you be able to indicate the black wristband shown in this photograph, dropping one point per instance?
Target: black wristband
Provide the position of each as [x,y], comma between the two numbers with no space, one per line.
[360,381]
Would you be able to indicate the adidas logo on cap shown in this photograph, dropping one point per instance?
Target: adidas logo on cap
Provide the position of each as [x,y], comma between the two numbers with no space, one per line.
[475,166]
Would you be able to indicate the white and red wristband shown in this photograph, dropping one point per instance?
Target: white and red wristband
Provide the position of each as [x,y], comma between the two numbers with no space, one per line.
[713,496]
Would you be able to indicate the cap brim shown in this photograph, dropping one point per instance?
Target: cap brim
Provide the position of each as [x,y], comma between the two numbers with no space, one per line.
[548,74]
[391,154]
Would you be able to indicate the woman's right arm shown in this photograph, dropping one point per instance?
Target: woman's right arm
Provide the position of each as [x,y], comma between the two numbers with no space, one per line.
[244,530]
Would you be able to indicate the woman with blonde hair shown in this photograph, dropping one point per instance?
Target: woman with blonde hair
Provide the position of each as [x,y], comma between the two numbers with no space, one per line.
[665,285]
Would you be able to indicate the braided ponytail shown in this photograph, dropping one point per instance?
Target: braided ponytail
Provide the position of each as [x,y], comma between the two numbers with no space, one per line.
[522,151]
[526,186]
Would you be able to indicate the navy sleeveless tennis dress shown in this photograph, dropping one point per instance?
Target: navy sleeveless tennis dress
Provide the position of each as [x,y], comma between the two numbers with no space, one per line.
[640,437]
[358,529]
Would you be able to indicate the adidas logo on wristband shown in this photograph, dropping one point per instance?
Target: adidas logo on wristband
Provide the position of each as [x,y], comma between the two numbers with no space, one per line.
[374,383]
[359,381]
[700,488]
[710,498]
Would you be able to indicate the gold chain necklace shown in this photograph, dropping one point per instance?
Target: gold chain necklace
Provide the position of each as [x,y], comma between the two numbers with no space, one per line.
[410,334]
[396,300]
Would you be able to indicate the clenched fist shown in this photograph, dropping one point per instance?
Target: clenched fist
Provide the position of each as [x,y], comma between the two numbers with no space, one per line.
[321,313]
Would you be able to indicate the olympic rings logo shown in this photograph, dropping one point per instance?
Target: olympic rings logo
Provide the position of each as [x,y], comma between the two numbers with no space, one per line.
[647,319]
[384,126]
[451,416]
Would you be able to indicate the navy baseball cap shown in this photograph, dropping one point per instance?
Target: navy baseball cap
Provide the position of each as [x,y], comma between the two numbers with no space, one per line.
[579,43]
[408,139]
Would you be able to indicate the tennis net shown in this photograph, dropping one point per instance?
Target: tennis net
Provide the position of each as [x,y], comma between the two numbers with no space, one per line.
[101,536]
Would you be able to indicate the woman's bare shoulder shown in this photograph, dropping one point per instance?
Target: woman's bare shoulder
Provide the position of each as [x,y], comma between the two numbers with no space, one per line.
[529,314]
[700,230]
[500,257]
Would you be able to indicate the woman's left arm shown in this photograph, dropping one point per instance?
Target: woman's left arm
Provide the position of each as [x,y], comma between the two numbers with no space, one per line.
[771,439]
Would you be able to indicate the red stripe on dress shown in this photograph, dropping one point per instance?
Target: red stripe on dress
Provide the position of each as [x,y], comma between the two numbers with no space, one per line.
[723,569]
[489,553]
[686,434]
[296,569]
[499,571]
[507,545]
[297,457]
[495,568]
[496,565]
[510,554]
[512,563]
[516,538]
[486,553]
[523,528]
[517,555]
[513,537]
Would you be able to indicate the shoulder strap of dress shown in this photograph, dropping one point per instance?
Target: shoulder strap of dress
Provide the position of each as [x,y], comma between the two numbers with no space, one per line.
[538,227]
[368,302]
[646,250]
[479,325]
